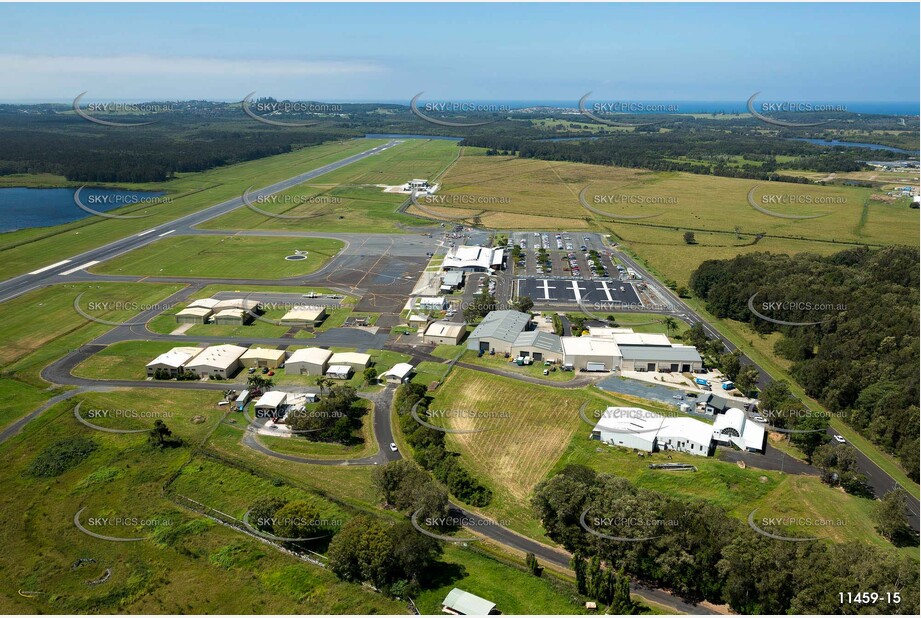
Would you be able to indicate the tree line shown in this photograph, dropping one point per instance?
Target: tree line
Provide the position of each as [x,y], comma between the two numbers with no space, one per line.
[858,353]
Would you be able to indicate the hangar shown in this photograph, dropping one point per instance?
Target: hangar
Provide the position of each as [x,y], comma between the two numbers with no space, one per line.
[683,358]
[445,333]
[355,360]
[231,317]
[498,331]
[733,428]
[647,431]
[306,315]
[270,404]
[473,259]
[193,315]
[308,361]
[218,361]
[263,357]
[591,353]
[172,361]
[538,345]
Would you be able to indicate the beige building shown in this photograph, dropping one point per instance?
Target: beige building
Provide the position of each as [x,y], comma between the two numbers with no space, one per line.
[305,316]
[355,360]
[308,362]
[263,357]
[193,315]
[445,333]
[203,303]
[217,361]
[231,317]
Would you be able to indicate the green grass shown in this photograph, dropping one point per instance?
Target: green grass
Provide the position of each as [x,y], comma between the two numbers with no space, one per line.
[299,445]
[17,398]
[348,200]
[125,360]
[501,363]
[247,257]
[190,566]
[25,250]
[513,591]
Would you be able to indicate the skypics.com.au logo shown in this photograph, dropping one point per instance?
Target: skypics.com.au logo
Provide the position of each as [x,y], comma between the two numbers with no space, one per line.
[262,108]
[116,201]
[760,110]
[612,112]
[116,108]
[455,109]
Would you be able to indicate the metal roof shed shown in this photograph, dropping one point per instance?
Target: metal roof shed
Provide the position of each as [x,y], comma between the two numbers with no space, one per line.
[464,603]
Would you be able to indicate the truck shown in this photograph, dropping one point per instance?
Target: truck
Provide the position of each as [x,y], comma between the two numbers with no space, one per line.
[701,381]
[728,386]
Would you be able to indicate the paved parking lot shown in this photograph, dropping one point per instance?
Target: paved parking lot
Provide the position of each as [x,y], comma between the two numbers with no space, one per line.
[579,290]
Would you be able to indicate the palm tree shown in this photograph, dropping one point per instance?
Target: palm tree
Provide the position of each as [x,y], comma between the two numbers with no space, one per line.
[670,323]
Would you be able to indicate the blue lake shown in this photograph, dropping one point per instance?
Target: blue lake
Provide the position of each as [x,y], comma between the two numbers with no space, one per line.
[834,142]
[410,136]
[22,208]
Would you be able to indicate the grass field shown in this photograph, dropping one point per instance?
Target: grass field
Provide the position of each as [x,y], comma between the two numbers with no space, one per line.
[299,445]
[247,257]
[25,250]
[190,565]
[42,326]
[125,360]
[351,199]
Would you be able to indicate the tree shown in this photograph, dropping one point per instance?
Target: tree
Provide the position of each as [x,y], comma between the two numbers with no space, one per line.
[523,304]
[370,375]
[670,323]
[362,551]
[161,436]
[689,238]
[414,554]
[258,383]
[731,364]
[262,512]
[534,568]
[747,379]
[682,291]
[621,603]
[296,520]
[889,516]
[578,565]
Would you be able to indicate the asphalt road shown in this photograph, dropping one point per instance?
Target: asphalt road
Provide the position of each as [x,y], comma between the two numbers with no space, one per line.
[183,225]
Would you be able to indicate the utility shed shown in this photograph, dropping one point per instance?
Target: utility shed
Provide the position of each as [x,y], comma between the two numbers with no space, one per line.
[447,333]
[462,603]
[339,372]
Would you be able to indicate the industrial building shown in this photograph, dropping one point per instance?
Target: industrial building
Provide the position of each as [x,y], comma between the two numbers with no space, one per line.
[590,353]
[673,358]
[452,280]
[263,357]
[444,333]
[647,431]
[431,303]
[498,331]
[308,361]
[173,361]
[355,360]
[304,316]
[473,259]
[538,345]
[218,361]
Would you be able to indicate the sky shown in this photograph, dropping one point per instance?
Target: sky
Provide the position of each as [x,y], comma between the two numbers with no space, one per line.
[460,52]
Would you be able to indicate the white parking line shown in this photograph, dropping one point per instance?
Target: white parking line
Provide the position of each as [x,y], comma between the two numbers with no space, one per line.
[577,291]
[147,231]
[165,233]
[547,288]
[55,265]
[607,292]
[73,270]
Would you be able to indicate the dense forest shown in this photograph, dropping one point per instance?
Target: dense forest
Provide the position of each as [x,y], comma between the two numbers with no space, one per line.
[698,551]
[861,360]
[193,136]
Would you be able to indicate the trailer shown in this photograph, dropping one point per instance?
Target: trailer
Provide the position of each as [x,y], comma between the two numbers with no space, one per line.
[241,401]
[595,367]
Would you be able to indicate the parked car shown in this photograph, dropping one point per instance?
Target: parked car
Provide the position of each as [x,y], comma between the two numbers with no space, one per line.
[839,439]
[759,418]
[393,447]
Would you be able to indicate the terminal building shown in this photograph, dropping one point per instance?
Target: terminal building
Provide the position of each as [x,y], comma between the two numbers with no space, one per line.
[473,259]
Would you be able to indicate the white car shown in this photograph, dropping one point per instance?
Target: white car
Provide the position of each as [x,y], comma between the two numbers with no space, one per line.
[839,439]
[393,447]
[759,419]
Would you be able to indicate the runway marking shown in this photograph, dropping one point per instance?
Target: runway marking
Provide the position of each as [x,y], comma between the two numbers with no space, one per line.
[607,292]
[165,233]
[73,270]
[55,265]
[147,231]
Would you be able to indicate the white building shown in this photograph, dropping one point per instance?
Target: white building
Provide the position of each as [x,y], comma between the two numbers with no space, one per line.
[591,353]
[431,303]
[473,258]
[734,428]
[647,431]
[339,372]
[399,373]
[308,361]
[270,405]
[355,360]
[217,361]
[172,361]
